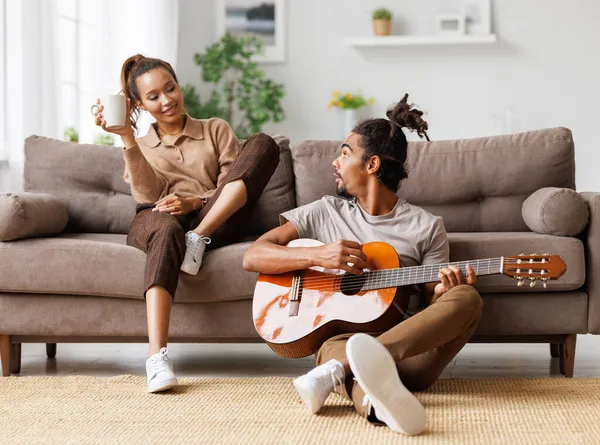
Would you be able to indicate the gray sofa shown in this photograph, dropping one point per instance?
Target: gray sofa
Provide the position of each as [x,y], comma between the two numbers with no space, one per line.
[85,284]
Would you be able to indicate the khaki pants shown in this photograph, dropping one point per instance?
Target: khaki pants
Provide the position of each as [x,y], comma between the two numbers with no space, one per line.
[422,346]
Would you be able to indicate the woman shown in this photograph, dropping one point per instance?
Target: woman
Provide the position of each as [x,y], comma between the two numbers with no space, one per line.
[196,188]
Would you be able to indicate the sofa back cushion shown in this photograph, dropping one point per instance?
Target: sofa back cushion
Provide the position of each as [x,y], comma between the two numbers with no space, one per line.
[476,185]
[88,178]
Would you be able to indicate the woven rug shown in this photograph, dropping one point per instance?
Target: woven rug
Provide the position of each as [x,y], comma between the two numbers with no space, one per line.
[96,410]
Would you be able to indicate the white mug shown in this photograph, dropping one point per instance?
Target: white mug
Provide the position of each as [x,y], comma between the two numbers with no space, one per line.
[114,112]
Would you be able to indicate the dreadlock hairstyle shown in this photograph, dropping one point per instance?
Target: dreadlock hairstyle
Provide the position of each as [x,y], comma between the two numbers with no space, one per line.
[385,138]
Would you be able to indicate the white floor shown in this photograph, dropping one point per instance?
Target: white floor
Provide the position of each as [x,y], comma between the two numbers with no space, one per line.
[256,360]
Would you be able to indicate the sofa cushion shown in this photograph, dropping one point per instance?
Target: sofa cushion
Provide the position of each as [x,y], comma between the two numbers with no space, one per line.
[467,246]
[556,211]
[89,178]
[528,314]
[279,195]
[25,215]
[103,265]
[476,185]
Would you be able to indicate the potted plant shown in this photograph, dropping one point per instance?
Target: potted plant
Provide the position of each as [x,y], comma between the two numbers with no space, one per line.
[349,104]
[382,22]
[104,139]
[241,94]
[71,135]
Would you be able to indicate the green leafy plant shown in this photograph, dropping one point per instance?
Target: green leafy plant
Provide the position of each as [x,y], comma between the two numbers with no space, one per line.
[349,101]
[241,94]
[104,139]
[382,14]
[71,135]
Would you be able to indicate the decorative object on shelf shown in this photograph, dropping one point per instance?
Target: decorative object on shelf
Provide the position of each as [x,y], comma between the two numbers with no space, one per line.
[241,94]
[350,104]
[382,22]
[264,20]
[450,24]
[71,135]
[478,14]
[104,139]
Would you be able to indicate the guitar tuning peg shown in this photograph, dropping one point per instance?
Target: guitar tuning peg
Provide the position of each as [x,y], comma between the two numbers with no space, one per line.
[520,283]
[532,283]
[521,254]
[544,284]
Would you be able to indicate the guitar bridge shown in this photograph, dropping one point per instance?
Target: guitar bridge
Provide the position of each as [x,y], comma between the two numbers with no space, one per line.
[296,294]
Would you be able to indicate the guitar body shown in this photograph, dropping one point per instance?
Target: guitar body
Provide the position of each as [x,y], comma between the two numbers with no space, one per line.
[296,312]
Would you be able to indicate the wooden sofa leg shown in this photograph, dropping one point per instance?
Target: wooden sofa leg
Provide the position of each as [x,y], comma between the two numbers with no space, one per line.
[567,355]
[5,344]
[15,358]
[554,352]
[51,350]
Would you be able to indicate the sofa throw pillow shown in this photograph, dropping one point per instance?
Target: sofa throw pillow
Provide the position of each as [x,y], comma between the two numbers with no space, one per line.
[25,215]
[556,211]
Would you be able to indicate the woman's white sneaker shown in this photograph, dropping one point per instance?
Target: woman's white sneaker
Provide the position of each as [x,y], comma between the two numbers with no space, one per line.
[375,371]
[195,245]
[160,372]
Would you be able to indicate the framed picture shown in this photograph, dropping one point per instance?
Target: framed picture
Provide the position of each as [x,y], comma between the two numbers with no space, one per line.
[478,17]
[451,24]
[263,19]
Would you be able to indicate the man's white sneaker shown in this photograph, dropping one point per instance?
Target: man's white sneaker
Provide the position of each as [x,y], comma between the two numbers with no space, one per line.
[160,372]
[375,371]
[194,250]
[315,386]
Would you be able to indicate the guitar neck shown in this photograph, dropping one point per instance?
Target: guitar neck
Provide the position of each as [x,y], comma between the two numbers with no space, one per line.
[406,276]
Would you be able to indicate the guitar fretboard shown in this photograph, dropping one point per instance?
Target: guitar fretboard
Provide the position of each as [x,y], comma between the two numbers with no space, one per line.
[428,273]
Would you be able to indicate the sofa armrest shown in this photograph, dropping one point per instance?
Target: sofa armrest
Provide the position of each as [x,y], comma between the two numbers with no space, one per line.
[25,215]
[591,239]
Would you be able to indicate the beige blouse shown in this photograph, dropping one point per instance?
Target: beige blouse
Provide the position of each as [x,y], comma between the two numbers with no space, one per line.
[194,165]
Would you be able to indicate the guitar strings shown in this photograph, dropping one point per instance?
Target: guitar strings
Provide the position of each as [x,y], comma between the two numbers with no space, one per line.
[382,276]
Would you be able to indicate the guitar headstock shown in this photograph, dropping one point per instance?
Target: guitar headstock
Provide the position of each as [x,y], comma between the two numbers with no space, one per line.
[534,267]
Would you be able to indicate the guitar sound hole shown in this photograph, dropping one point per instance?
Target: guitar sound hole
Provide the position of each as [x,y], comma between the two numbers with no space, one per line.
[352,284]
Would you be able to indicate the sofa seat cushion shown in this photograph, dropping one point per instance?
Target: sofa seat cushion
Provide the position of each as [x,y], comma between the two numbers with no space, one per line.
[467,246]
[104,265]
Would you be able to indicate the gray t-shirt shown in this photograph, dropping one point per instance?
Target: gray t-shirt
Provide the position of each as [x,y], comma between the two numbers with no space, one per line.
[417,236]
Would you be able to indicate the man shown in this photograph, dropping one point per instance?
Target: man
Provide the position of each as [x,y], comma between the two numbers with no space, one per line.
[377,373]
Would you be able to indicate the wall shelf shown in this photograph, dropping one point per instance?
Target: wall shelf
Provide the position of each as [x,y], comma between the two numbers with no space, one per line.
[439,40]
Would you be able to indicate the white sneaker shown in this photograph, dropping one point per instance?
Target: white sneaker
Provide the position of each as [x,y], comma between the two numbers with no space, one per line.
[194,250]
[315,386]
[375,371]
[160,372]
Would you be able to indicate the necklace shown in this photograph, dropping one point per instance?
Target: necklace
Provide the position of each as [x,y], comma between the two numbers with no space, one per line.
[164,133]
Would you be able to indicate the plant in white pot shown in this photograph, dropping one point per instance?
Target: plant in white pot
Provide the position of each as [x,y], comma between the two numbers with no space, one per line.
[350,104]
[382,22]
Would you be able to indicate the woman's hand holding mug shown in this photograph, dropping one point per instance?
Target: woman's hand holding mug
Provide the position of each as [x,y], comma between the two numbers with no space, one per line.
[112,114]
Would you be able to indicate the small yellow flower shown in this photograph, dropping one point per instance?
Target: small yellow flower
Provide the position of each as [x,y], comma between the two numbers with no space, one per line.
[336,94]
[348,96]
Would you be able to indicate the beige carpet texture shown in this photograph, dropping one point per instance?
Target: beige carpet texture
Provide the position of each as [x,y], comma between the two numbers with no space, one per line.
[100,410]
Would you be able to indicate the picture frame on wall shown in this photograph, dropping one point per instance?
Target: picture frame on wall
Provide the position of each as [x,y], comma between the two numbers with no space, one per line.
[478,15]
[264,19]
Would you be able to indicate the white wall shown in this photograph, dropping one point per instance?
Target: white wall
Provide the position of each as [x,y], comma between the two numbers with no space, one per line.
[544,72]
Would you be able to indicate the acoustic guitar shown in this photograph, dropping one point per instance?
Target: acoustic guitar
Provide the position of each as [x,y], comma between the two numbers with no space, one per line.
[296,312]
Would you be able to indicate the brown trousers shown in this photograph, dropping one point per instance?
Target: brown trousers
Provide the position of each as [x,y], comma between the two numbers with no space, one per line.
[162,236]
[422,346]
